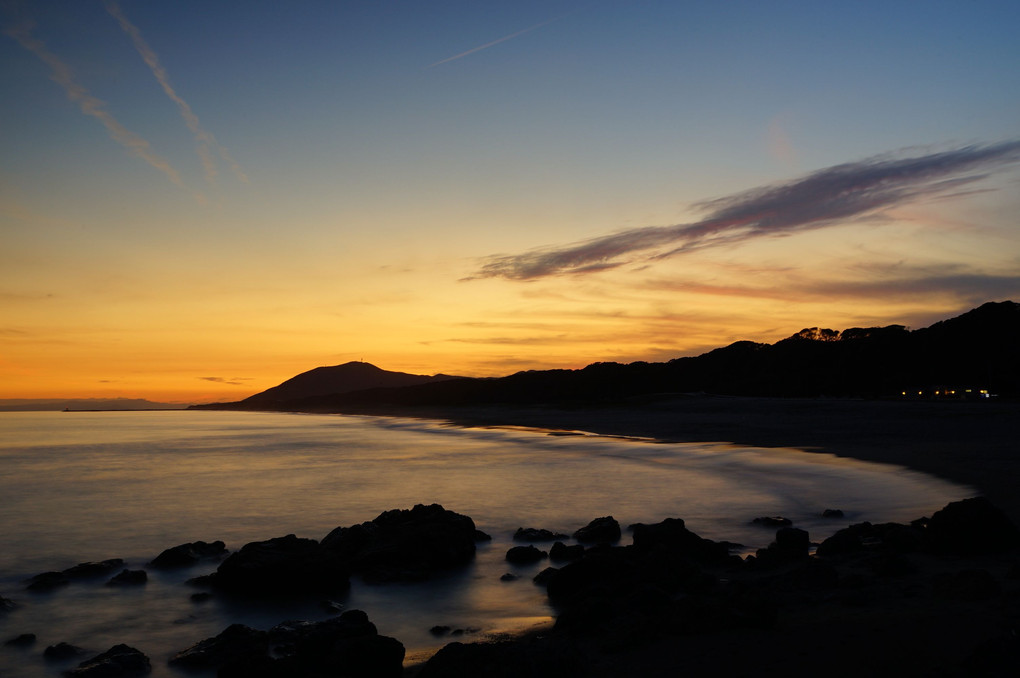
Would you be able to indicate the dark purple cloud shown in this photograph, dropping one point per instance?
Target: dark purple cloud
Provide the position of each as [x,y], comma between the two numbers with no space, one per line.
[832,195]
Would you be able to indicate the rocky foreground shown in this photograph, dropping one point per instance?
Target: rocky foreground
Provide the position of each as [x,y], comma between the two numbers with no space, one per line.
[939,596]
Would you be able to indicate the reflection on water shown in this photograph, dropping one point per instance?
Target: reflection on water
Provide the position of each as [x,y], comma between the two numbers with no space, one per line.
[90,486]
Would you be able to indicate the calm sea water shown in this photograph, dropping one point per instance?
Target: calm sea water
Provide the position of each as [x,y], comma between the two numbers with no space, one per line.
[80,486]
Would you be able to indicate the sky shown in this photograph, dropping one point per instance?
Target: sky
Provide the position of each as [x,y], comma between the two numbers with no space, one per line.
[199,200]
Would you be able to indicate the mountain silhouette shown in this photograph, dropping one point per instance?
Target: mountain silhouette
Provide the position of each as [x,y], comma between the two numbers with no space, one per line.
[352,376]
[965,355]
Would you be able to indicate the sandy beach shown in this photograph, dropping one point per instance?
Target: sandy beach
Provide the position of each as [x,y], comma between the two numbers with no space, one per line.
[919,620]
[972,443]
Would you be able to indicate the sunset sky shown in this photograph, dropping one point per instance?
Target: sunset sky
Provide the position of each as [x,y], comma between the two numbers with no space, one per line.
[199,200]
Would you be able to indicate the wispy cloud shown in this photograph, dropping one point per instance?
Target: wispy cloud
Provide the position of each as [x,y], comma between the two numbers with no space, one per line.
[90,105]
[493,43]
[232,381]
[823,198]
[206,143]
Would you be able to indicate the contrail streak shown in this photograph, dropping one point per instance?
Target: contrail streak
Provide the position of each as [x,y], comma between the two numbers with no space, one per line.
[61,74]
[493,43]
[205,140]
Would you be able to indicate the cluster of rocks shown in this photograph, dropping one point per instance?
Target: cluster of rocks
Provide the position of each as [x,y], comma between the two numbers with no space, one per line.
[347,645]
[399,545]
[668,582]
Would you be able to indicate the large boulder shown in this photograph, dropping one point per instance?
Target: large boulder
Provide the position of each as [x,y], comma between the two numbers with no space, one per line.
[282,564]
[119,660]
[536,534]
[525,555]
[93,569]
[405,545]
[895,538]
[605,530]
[185,555]
[237,642]
[672,535]
[972,527]
[348,645]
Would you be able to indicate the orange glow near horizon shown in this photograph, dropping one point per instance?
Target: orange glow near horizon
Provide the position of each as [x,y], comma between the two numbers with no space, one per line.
[183,220]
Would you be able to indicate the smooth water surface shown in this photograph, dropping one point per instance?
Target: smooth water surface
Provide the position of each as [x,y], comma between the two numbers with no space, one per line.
[83,486]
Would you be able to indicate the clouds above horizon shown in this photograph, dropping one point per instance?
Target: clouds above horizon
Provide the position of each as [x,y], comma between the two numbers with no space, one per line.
[823,198]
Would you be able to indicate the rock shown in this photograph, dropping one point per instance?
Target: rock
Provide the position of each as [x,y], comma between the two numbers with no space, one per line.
[6,604]
[348,645]
[185,555]
[24,640]
[534,658]
[791,545]
[604,530]
[282,564]
[832,513]
[561,552]
[63,651]
[439,630]
[93,569]
[525,555]
[234,643]
[772,521]
[129,578]
[201,596]
[509,576]
[47,581]
[535,534]
[672,535]
[405,545]
[543,577]
[972,527]
[865,537]
[119,660]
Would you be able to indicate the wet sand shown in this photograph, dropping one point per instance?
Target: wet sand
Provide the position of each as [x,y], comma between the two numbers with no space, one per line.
[972,443]
[899,625]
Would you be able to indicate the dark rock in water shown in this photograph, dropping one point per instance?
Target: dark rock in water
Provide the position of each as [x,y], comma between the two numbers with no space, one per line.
[93,569]
[509,576]
[282,564]
[119,660]
[604,530]
[47,581]
[24,640]
[865,537]
[791,545]
[672,536]
[236,642]
[536,534]
[405,545]
[543,577]
[201,596]
[537,658]
[832,513]
[7,604]
[561,552]
[525,555]
[972,527]
[772,521]
[348,645]
[185,555]
[439,630]
[128,578]
[63,651]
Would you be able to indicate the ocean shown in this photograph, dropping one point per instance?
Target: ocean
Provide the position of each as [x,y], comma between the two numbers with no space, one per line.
[89,486]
